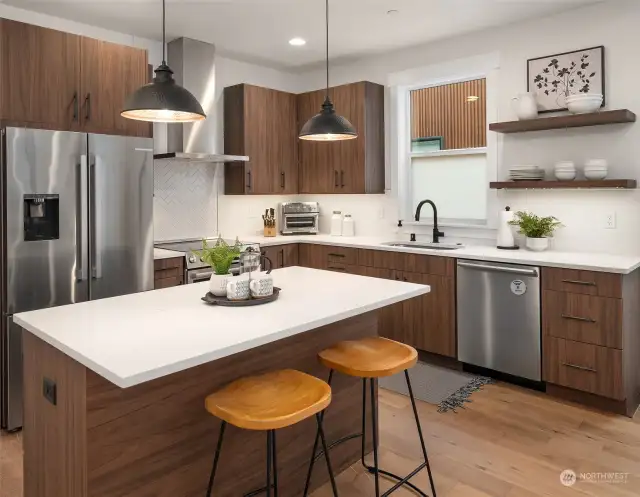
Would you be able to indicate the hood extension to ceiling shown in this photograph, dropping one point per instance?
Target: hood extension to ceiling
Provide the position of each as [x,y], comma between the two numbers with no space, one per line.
[193,64]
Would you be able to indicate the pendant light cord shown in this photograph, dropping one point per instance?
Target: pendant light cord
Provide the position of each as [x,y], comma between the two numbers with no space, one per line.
[164,22]
[327,41]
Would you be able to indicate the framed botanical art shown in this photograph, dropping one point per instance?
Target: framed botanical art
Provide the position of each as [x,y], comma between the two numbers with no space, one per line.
[554,77]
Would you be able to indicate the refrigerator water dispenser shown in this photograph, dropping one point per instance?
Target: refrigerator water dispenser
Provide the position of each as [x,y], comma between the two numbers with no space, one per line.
[41,217]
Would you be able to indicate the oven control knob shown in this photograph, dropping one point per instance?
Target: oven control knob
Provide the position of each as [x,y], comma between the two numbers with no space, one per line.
[201,259]
[192,259]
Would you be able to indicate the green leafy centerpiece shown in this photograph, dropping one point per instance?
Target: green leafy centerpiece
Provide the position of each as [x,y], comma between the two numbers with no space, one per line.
[219,256]
[537,229]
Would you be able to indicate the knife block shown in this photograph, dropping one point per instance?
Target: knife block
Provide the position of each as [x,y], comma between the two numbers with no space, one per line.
[269,231]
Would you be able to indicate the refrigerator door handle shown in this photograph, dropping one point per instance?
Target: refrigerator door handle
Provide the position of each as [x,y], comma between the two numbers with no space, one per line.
[96,262]
[81,221]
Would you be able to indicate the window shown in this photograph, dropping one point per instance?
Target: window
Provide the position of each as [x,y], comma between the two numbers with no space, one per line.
[447,151]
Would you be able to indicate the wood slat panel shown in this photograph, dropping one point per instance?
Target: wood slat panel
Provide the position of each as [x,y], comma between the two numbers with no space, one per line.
[444,111]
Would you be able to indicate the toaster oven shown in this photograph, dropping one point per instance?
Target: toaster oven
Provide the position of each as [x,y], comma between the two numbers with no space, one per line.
[299,218]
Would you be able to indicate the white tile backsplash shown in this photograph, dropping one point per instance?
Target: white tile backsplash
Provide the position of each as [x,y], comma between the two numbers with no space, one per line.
[185,199]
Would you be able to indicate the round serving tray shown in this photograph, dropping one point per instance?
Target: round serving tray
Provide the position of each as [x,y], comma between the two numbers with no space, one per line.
[210,298]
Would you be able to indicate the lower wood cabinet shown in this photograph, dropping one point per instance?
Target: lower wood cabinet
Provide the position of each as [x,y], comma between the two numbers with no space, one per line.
[282,255]
[585,367]
[168,272]
[427,322]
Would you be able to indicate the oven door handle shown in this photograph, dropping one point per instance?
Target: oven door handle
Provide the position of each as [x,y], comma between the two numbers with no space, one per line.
[196,277]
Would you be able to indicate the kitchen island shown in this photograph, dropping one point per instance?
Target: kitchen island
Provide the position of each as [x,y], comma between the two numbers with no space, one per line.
[114,389]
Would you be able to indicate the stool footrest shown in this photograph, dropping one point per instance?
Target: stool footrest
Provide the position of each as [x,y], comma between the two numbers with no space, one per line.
[258,491]
[401,480]
[337,442]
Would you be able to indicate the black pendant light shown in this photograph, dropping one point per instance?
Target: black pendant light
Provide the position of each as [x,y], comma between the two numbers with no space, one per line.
[163,100]
[327,126]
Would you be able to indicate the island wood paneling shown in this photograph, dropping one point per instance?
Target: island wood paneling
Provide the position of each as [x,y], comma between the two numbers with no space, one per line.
[445,111]
[157,438]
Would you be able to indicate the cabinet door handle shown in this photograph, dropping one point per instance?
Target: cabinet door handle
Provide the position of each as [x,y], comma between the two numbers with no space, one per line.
[404,278]
[336,255]
[581,368]
[282,180]
[336,179]
[75,106]
[281,255]
[248,180]
[336,268]
[578,318]
[342,178]
[578,282]
[87,106]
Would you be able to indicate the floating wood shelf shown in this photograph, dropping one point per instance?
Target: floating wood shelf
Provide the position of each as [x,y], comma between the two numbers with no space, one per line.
[568,121]
[541,185]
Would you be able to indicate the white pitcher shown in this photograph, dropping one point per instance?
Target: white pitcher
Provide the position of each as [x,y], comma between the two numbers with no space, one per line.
[525,106]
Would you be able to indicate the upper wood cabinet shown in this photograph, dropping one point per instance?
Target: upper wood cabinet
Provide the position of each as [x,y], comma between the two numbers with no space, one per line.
[262,124]
[349,166]
[40,76]
[58,80]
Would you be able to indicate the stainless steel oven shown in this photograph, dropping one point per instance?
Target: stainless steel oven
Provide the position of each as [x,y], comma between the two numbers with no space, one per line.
[196,270]
[299,218]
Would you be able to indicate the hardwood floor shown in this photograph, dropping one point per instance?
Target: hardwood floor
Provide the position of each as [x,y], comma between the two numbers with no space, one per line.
[509,442]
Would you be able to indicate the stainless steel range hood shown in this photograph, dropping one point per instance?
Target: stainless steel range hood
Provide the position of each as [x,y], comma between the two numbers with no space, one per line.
[193,63]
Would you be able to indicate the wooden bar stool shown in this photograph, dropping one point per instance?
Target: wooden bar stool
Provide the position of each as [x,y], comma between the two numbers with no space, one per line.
[269,402]
[370,359]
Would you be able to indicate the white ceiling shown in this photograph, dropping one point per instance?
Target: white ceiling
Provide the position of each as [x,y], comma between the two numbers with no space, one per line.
[260,29]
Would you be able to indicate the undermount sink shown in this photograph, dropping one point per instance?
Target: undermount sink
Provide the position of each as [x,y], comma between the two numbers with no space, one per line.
[425,245]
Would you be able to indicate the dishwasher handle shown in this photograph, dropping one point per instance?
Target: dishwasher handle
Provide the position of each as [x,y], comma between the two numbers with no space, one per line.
[500,269]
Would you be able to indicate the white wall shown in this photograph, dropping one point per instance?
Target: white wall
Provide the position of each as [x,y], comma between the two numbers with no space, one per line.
[612,24]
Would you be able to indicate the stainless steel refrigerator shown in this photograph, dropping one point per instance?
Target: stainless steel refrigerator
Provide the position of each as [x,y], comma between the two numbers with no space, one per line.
[77,225]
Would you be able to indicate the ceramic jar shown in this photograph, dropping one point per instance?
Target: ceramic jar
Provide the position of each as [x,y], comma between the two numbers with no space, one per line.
[218,284]
[525,106]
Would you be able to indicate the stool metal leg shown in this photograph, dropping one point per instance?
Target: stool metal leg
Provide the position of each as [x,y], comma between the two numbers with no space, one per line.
[374,430]
[422,445]
[315,448]
[216,458]
[269,453]
[326,455]
[275,463]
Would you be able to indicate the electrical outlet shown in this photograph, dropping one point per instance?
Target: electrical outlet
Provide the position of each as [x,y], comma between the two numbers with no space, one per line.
[610,221]
[49,390]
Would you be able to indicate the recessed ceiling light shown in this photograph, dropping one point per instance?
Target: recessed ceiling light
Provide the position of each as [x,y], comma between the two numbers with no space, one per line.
[473,98]
[392,12]
[297,42]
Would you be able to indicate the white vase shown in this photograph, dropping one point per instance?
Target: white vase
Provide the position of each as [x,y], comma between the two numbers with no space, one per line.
[218,284]
[525,106]
[537,244]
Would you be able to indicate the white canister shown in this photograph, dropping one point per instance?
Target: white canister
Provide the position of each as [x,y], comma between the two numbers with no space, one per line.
[218,284]
[336,223]
[348,226]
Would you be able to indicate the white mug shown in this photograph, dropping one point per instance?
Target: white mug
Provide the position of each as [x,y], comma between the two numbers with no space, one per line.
[261,285]
[238,288]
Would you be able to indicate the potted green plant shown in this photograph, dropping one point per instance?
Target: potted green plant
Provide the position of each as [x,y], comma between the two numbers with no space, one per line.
[220,256]
[536,229]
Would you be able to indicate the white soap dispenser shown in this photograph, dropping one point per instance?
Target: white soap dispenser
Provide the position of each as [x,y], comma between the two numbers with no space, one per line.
[506,241]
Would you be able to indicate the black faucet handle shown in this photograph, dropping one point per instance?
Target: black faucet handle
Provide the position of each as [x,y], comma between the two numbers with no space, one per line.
[413,237]
[440,233]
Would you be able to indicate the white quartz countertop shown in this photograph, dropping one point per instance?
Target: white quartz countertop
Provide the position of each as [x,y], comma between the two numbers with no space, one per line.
[143,336]
[165,254]
[573,260]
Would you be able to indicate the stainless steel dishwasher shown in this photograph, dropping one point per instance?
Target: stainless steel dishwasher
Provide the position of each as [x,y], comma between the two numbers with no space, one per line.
[499,317]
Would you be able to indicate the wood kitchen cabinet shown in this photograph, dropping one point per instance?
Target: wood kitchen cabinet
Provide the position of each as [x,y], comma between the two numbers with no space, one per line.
[40,76]
[56,80]
[168,272]
[347,166]
[282,255]
[262,124]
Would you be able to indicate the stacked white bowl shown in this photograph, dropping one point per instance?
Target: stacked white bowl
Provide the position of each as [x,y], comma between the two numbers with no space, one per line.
[565,170]
[583,103]
[596,169]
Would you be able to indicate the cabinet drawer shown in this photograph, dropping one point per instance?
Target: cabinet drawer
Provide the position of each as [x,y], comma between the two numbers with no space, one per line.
[584,367]
[583,318]
[382,259]
[172,272]
[344,268]
[428,264]
[585,282]
[343,255]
